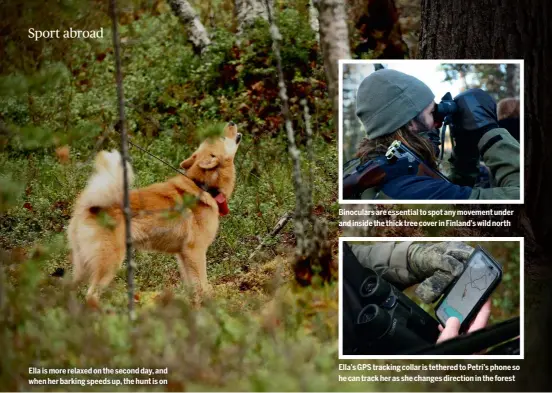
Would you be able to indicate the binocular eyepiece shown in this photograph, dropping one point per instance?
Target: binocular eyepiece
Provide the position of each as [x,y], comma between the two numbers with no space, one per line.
[389,319]
[373,319]
[378,317]
[446,107]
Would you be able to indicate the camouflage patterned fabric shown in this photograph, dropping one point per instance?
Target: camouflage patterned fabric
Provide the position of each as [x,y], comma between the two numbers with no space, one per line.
[404,264]
[436,265]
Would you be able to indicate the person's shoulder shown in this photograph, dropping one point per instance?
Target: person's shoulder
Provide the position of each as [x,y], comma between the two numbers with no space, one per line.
[424,187]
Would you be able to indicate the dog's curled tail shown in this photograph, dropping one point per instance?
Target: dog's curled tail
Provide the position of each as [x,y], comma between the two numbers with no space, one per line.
[105,187]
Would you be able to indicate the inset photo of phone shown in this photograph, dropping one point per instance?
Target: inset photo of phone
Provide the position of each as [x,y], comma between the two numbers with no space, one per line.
[381,317]
[470,291]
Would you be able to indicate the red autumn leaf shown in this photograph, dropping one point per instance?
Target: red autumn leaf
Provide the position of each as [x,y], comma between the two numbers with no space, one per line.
[318,210]
[274,121]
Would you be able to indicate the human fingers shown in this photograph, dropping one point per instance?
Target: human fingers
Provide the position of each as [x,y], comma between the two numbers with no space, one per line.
[451,329]
[482,317]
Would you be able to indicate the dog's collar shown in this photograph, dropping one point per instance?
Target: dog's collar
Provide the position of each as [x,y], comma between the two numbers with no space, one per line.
[217,195]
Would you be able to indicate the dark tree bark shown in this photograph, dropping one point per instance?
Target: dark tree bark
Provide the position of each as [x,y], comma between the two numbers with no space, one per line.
[131,265]
[512,29]
[515,30]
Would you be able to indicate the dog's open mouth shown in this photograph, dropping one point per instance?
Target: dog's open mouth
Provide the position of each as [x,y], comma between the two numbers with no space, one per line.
[238,138]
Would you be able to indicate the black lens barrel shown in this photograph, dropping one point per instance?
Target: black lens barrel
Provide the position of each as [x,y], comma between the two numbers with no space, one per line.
[373,322]
[445,108]
[374,290]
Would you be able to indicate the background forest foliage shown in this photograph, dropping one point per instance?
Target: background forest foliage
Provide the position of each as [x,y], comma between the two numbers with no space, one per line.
[260,331]
[58,108]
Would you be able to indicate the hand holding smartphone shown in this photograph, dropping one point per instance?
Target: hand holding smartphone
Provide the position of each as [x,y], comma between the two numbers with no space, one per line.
[470,291]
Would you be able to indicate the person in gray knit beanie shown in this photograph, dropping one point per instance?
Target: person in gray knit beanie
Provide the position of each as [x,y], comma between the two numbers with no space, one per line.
[394,106]
[389,99]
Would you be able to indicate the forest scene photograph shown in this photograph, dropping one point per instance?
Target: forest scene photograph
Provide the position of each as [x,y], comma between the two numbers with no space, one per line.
[179,82]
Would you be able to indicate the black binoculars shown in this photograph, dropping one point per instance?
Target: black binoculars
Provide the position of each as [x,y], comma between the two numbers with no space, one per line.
[443,116]
[445,108]
[385,320]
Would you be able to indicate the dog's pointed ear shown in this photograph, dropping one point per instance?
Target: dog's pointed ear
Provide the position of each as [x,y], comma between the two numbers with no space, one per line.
[188,162]
[209,163]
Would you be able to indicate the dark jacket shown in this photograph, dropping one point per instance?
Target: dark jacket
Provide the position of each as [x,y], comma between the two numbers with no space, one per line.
[512,125]
[500,153]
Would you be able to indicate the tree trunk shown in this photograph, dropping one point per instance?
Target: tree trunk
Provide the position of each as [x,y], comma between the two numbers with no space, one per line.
[197,34]
[512,29]
[131,265]
[313,20]
[247,11]
[471,37]
[313,251]
[334,42]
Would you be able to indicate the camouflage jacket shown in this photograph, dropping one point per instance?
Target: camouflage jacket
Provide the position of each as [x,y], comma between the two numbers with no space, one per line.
[389,260]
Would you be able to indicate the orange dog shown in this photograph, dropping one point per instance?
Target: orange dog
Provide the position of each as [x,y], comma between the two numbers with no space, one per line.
[98,250]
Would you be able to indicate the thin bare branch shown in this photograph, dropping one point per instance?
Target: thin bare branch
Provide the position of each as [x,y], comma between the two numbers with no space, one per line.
[124,153]
[279,226]
[303,209]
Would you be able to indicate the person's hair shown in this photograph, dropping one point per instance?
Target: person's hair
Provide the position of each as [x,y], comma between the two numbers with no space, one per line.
[508,108]
[371,148]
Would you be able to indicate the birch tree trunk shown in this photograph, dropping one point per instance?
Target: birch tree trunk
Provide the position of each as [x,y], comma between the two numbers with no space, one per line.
[513,29]
[247,11]
[197,34]
[313,251]
[334,42]
[313,20]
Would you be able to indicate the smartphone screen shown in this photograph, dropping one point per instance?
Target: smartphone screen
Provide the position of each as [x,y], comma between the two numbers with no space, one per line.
[481,275]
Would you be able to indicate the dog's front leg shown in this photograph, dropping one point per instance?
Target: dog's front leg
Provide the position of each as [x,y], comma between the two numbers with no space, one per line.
[193,268]
[182,268]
